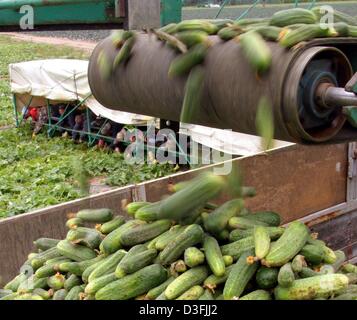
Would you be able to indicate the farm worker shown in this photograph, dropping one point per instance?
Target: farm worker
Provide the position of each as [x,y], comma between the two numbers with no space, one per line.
[78,126]
[68,121]
[104,132]
[32,113]
[87,123]
[41,121]
[118,143]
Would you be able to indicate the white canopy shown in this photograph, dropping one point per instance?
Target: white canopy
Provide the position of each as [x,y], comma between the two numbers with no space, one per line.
[60,80]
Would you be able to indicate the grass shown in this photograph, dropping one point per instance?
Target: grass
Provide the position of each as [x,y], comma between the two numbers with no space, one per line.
[36,173]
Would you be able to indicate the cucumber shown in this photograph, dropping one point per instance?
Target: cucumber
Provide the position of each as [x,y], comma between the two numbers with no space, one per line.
[286,276]
[261,242]
[171,28]
[271,218]
[72,281]
[111,225]
[107,266]
[346,296]
[90,238]
[238,234]
[149,212]
[191,38]
[184,63]
[45,243]
[99,283]
[257,295]
[134,284]
[44,294]
[193,257]
[161,296]
[330,256]
[60,294]
[349,268]
[207,295]
[235,249]
[78,268]
[185,281]
[191,236]
[133,207]
[4,293]
[200,191]
[135,263]
[228,260]
[326,269]
[74,223]
[157,291]
[312,288]
[337,15]
[341,28]
[178,267]
[197,25]
[74,293]
[267,278]
[288,245]
[298,263]
[256,51]
[87,272]
[95,215]
[267,32]
[292,16]
[250,21]
[32,283]
[212,281]
[314,254]
[240,275]
[340,259]
[28,296]
[193,293]
[51,269]
[42,257]
[229,33]
[307,273]
[56,282]
[75,252]
[168,236]
[112,242]
[244,223]
[145,232]
[305,33]
[14,284]
[11,296]
[214,256]
[217,220]
[125,52]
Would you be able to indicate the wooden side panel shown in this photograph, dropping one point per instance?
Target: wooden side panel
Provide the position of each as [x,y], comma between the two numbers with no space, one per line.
[18,233]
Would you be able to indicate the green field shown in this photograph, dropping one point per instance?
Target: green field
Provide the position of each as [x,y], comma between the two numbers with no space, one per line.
[36,173]
[233,12]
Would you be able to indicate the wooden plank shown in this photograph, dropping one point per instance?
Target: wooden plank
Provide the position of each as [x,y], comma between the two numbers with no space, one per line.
[18,233]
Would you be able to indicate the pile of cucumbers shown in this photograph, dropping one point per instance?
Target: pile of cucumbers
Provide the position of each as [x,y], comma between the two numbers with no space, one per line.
[184,247]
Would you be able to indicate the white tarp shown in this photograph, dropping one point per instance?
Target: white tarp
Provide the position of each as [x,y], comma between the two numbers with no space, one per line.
[61,80]
[227,141]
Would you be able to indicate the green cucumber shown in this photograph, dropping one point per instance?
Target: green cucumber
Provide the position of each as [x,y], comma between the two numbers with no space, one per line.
[78,268]
[45,243]
[288,245]
[214,256]
[185,281]
[307,273]
[75,252]
[217,220]
[74,223]
[87,272]
[72,281]
[149,212]
[298,263]
[42,257]
[134,284]
[286,276]
[4,293]
[191,236]
[133,207]
[267,278]
[95,215]
[107,266]
[284,18]
[90,238]
[271,218]
[229,33]
[111,225]
[193,293]
[235,249]
[157,291]
[99,283]
[135,263]
[14,284]
[44,294]
[212,281]
[56,282]
[207,295]
[50,269]
[112,242]
[75,293]
[349,268]
[238,234]
[312,287]
[196,195]
[244,223]
[314,254]
[241,273]
[60,294]
[167,237]
[261,242]
[193,257]
[257,295]
[191,38]
[144,232]
[228,260]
